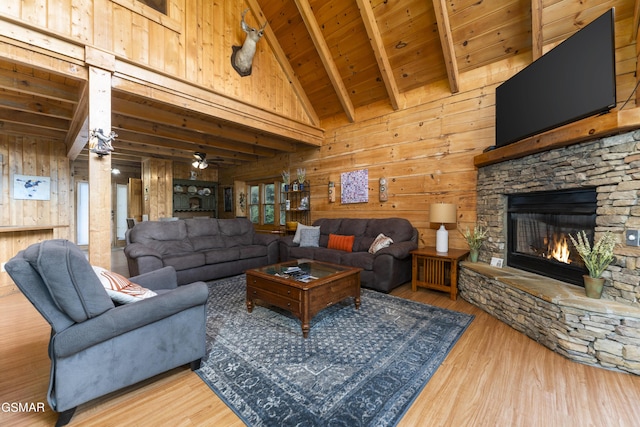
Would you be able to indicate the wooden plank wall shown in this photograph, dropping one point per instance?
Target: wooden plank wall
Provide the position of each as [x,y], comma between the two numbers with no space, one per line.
[28,156]
[192,43]
[425,150]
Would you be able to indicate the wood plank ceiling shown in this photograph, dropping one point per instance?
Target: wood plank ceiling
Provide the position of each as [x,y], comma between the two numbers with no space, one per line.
[344,54]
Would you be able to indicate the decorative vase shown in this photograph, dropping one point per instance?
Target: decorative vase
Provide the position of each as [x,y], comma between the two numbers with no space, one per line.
[593,286]
[473,255]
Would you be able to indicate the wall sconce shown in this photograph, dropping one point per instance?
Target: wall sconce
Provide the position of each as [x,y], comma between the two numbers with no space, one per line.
[442,213]
[384,195]
[99,143]
[332,192]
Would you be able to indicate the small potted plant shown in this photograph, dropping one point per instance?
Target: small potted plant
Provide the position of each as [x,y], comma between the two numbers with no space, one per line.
[596,259]
[286,178]
[302,173]
[474,239]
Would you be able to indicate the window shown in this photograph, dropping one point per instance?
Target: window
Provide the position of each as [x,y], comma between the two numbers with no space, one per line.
[263,209]
[159,5]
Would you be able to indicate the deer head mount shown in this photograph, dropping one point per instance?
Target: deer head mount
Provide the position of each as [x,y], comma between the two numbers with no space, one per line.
[242,56]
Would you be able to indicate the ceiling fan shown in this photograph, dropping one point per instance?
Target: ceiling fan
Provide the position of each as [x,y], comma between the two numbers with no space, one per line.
[200,161]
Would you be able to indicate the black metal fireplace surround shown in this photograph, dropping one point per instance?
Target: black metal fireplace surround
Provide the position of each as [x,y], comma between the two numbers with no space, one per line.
[538,226]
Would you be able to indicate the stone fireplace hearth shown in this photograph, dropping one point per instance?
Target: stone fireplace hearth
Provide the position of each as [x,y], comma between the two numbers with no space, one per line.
[604,332]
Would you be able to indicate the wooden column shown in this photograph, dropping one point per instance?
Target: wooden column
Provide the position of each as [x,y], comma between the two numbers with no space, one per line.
[100,223]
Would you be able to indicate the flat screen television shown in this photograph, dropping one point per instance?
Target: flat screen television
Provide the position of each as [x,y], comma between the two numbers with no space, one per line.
[574,80]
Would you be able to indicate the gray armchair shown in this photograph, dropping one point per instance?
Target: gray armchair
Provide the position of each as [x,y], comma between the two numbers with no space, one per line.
[97,347]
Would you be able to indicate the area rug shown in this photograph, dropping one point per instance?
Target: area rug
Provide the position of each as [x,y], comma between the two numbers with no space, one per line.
[357,367]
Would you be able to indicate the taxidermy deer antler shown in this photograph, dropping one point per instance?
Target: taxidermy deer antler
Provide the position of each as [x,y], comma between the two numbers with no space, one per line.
[242,56]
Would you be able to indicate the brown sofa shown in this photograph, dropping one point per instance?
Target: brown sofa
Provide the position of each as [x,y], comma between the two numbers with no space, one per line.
[384,270]
[199,248]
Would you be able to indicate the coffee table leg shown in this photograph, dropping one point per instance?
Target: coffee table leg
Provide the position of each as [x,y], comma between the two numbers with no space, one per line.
[356,301]
[249,305]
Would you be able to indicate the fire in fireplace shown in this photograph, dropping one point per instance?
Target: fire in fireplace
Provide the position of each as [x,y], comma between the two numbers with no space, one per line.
[538,227]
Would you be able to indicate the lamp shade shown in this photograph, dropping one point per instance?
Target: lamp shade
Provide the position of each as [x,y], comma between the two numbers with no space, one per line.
[442,213]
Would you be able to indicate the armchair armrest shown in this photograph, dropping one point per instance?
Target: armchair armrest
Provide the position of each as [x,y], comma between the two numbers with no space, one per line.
[399,250]
[125,318]
[165,278]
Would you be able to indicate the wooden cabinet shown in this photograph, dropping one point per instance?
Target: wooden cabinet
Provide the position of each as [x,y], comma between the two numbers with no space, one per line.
[194,198]
[298,207]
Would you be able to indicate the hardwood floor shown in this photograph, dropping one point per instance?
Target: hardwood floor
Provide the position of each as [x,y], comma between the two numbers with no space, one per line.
[494,376]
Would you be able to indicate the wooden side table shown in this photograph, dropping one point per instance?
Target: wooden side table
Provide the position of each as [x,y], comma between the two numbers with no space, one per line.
[434,270]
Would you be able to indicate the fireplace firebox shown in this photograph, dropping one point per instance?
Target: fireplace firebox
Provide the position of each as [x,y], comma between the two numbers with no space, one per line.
[538,228]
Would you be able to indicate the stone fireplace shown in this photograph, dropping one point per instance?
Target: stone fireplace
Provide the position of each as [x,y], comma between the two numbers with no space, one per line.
[555,311]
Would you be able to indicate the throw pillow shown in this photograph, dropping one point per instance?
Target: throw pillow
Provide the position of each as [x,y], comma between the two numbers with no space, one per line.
[296,237]
[340,242]
[121,289]
[380,242]
[309,237]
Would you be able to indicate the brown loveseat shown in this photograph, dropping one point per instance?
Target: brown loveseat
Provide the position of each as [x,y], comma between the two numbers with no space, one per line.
[384,270]
[199,248]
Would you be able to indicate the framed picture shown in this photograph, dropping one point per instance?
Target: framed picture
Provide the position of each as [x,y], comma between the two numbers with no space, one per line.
[228,199]
[27,187]
[355,186]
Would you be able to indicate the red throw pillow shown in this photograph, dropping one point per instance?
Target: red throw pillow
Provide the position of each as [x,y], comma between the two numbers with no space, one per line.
[341,243]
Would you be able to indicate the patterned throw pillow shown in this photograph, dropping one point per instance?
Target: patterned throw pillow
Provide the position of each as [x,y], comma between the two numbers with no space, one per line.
[380,242]
[340,242]
[296,237]
[309,237]
[121,289]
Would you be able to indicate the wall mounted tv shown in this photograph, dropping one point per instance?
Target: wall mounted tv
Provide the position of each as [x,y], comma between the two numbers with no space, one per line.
[574,80]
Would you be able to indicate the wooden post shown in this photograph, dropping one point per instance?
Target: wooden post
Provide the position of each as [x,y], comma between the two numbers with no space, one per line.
[100,222]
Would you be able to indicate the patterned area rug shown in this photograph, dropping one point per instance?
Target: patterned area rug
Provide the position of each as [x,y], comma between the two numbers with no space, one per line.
[357,367]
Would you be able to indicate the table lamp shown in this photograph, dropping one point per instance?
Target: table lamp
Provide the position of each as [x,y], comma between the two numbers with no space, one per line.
[443,213]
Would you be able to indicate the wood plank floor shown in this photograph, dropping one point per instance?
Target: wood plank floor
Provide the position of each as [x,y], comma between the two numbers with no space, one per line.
[494,376]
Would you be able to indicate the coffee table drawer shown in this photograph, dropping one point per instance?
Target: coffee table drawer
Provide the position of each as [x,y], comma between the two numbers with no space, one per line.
[276,288]
[281,301]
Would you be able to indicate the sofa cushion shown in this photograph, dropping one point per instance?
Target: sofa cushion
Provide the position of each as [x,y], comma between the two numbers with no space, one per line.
[327,226]
[121,289]
[184,261]
[204,233]
[236,232]
[341,242]
[353,226]
[216,256]
[70,279]
[398,229]
[362,260]
[252,251]
[297,252]
[165,237]
[327,255]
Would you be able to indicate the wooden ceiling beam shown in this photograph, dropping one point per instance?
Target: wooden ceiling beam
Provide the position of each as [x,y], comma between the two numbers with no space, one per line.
[375,38]
[130,149]
[325,56]
[214,129]
[31,85]
[152,129]
[282,59]
[26,129]
[78,134]
[446,40]
[32,119]
[36,105]
[536,28]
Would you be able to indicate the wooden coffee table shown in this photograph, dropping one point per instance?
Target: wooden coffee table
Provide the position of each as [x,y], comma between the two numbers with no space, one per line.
[330,284]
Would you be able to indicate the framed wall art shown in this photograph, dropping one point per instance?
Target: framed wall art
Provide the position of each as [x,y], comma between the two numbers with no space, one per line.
[354,186]
[28,187]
